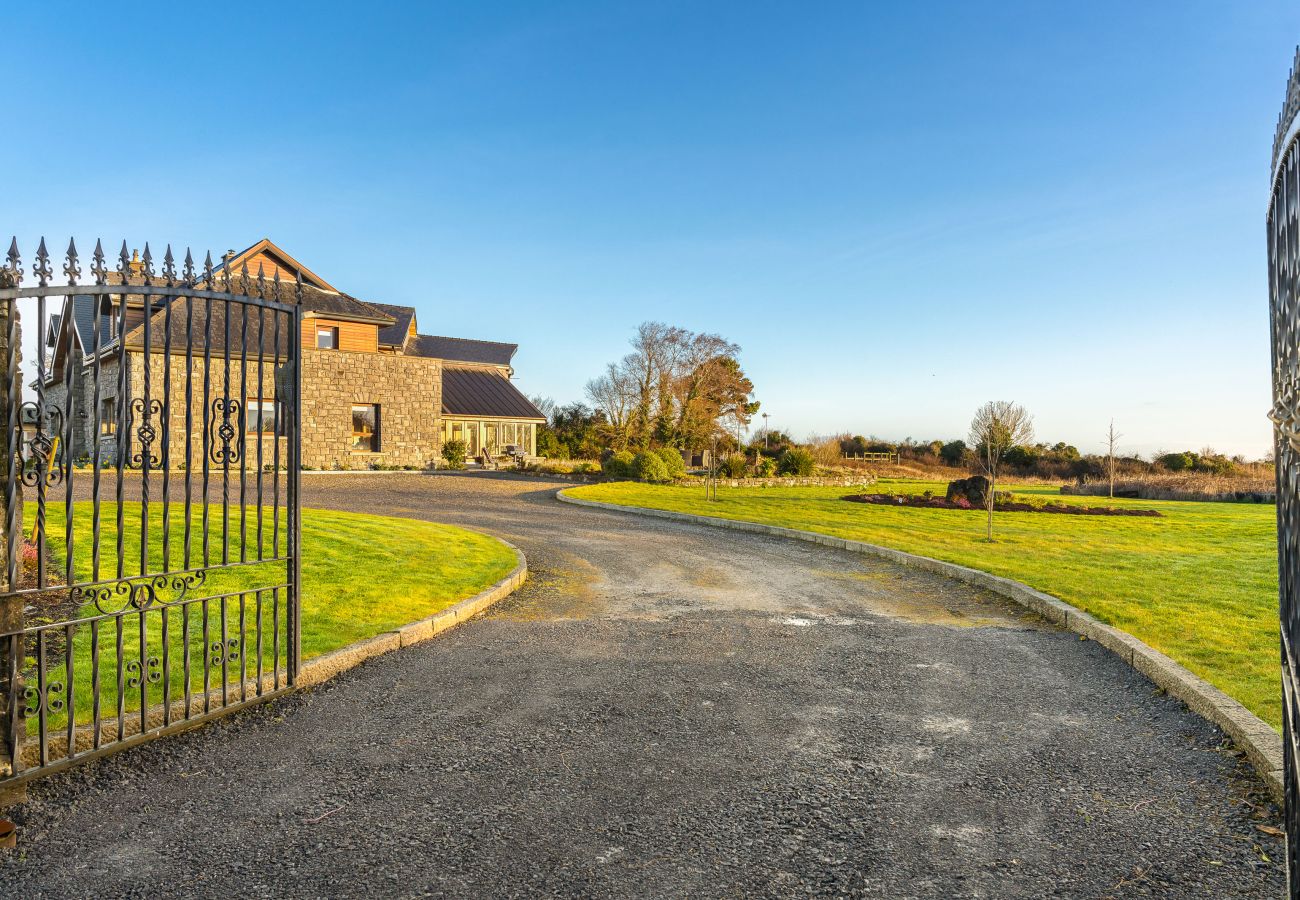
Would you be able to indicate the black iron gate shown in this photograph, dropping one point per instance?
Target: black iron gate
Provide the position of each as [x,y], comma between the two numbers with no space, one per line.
[151,501]
[1284,307]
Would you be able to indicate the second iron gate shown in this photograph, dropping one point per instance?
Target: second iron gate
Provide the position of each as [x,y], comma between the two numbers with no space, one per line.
[152,537]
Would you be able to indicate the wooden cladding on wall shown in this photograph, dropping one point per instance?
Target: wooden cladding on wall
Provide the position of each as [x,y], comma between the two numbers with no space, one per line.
[359,337]
[270,265]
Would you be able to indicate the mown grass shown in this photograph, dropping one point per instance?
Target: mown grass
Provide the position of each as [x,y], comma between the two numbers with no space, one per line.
[1199,583]
[361,575]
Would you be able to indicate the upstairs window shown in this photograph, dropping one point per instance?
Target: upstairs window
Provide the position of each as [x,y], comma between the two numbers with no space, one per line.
[327,338]
[365,428]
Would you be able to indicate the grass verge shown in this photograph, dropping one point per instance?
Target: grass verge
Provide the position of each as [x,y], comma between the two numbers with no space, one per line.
[361,575]
[1199,583]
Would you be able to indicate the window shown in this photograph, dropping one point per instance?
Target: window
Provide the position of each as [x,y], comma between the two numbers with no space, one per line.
[365,428]
[264,417]
[327,338]
[108,416]
[509,434]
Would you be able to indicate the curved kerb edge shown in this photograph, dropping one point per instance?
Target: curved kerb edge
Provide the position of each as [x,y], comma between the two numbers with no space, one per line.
[1261,744]
[323,668]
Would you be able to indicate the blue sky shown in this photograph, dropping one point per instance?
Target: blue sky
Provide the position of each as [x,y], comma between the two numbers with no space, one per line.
[898,211]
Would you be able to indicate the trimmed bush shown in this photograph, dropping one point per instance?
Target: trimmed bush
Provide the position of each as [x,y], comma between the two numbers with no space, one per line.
[649,466]
[618,466]
[453,454]
[733,465]
[673,461]
[795,461]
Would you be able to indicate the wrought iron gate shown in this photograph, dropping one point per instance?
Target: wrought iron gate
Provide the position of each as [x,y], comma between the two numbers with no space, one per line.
[1284,307]
[152,532]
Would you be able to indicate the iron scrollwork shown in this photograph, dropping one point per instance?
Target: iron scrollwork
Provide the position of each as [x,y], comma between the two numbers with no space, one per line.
[226,428]
[227,651]
[51,698]
[145,432]
[40,463]
[140,593]
[150,670]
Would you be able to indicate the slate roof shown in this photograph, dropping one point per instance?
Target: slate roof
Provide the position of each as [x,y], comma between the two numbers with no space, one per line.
[315,300]
[489,353]
[83,318]
[395,335]
[482,392]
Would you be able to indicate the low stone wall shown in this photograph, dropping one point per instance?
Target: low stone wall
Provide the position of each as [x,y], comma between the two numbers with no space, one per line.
[791,481]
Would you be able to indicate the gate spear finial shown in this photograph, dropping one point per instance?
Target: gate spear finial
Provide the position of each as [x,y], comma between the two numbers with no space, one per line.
[97,266]
[70,267]
[146,265]
[15,269]
[124,264]
[42,269]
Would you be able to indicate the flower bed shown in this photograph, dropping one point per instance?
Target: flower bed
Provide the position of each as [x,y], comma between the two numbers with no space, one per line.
[1000,506]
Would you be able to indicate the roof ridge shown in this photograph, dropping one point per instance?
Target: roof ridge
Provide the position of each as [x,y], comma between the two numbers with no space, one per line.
[445,337]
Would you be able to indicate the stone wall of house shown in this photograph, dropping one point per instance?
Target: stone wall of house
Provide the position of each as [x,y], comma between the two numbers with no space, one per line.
[83,406]
[168,444]
[409,393]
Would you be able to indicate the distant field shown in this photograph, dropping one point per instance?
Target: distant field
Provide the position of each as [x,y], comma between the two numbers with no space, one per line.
[1199,583]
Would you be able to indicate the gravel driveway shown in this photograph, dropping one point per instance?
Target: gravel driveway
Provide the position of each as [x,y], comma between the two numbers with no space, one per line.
[668,710]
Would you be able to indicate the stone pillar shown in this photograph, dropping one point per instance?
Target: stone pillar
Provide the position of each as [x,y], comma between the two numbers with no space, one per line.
[11,610]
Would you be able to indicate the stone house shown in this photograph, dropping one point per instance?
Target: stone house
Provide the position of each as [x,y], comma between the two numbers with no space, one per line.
[375,392]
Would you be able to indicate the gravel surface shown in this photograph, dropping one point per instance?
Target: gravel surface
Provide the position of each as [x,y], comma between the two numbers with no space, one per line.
[673,710]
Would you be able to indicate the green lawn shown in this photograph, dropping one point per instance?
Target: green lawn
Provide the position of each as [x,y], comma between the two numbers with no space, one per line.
[1199,584]
[362,575]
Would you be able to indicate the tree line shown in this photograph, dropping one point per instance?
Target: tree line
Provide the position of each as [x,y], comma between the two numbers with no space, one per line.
[676,388]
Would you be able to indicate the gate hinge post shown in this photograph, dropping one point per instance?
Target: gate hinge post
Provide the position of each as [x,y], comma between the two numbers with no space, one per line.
[11,510]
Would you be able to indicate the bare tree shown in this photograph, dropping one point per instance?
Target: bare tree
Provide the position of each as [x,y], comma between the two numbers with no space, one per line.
[998,426]
[1111,440]
[545,405]
[615,394]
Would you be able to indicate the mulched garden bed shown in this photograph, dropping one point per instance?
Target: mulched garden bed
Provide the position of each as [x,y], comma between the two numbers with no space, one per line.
[1002,506]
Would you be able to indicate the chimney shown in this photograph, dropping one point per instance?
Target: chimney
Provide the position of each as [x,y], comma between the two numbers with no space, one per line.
[136,265]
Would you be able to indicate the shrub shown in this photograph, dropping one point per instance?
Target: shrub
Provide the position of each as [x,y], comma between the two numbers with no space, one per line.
[795,461]
[585,468]
[672,461]
[733,465]
[618,465]
[766,468]
[953,452]
[453,454]
[649,466]
[1176,462]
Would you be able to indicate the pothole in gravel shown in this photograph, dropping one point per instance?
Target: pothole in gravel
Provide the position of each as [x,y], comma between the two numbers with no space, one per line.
[554,593]
[808,621]
[934,601]
[948,725]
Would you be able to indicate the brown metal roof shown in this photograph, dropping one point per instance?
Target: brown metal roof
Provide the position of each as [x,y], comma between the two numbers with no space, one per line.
[482,392]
